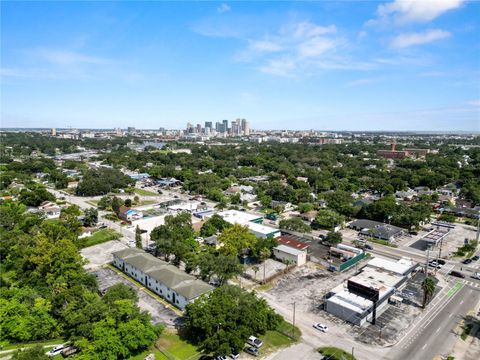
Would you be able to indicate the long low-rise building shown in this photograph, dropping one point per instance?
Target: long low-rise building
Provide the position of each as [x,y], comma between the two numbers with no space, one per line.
[168,281]
[253,222]
[376,229]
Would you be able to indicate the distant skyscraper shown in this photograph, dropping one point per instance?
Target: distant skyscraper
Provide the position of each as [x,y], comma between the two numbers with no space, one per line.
[208,124]
[246,128]
[189,128]
[118,131]
[199,129]
[218,126]
[54,132]
[131,129]
[225,125]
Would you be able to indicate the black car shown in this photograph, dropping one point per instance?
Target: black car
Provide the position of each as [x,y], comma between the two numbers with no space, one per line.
[456,274]
[467,261]
[475,258]
[441,262]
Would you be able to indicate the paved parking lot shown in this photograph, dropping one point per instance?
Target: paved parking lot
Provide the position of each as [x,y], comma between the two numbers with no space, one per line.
[160,313]
[98,255]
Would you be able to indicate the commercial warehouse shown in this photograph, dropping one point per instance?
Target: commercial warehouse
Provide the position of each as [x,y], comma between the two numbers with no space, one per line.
[365,296]
[168,281]
[253,222]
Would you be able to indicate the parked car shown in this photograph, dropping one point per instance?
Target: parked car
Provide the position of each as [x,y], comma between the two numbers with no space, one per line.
[456,274]
[467,261]
[235,356]
[221,357]
[441,262]
[476,275]
[435,264]
[475,258]
[254,341]
[69,351]
[368,247]
[321,327]
[252,350]
[56,350]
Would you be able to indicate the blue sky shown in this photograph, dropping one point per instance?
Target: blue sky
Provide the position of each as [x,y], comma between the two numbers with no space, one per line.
[346,65]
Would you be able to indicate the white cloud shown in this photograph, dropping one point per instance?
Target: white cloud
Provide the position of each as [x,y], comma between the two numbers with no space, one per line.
[475,103]
[418,38]
[306,29]
[418,11]
[364,81]
[265,46]
[279,67]
[66,57]
[223,8]
[316,46]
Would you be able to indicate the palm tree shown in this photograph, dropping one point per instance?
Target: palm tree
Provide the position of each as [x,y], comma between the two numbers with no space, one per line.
[428,286]
[255,269]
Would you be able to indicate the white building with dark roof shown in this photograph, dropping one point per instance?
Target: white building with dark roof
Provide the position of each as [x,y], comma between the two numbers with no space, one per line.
[168,281]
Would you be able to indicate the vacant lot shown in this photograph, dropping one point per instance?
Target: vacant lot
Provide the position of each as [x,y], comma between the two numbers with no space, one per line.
[101,254]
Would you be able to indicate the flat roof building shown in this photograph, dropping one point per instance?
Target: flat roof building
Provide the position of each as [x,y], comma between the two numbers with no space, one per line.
[287,253]
[366,294]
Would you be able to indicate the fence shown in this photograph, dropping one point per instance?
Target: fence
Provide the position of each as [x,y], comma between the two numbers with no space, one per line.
[344,266]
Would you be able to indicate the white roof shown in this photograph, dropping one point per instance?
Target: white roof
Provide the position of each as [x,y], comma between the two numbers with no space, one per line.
[351,301]
[288,250]
[238,217]
[261,229]
[399,267]
[382,280]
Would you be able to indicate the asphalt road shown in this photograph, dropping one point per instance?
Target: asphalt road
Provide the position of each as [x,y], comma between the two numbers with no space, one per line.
[434,335]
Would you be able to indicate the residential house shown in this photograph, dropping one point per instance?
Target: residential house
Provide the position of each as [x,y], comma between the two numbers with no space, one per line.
[50,209]
[128,214]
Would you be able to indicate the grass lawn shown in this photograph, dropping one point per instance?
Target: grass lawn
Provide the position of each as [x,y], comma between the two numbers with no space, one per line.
[143,192]
[157,353]
[335,353]
[170,343]
[99,237]
[42,343]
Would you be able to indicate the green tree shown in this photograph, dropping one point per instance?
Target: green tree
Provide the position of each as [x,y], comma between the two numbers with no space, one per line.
[35,196]
[236,239]
[90,217]
[119,292]
[428,287]
[128,202]
[305,207]
[116,203]
[138,237]
[222,321]
[327,219]
[334,238]
[175,237]
[295,224]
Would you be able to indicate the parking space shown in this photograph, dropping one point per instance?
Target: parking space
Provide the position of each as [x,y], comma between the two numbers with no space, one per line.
[265,270]
[101,254]
[160,313]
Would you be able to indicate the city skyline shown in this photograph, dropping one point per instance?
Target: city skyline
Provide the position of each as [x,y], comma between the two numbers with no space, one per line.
[324,66]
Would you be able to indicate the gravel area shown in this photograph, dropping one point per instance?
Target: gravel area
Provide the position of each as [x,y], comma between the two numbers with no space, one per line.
[101,254]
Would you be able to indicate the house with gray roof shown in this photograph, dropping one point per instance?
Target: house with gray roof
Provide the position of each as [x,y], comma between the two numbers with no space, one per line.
[376,229]
[168,281]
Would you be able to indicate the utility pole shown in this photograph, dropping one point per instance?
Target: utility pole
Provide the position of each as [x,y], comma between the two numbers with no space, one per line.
[426,264]
[293,326]
[352,353]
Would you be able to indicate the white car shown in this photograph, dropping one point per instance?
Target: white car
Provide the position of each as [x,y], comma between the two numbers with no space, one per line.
[56,350]
[435,264]
[321,327]
[476,275]
[254,341]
